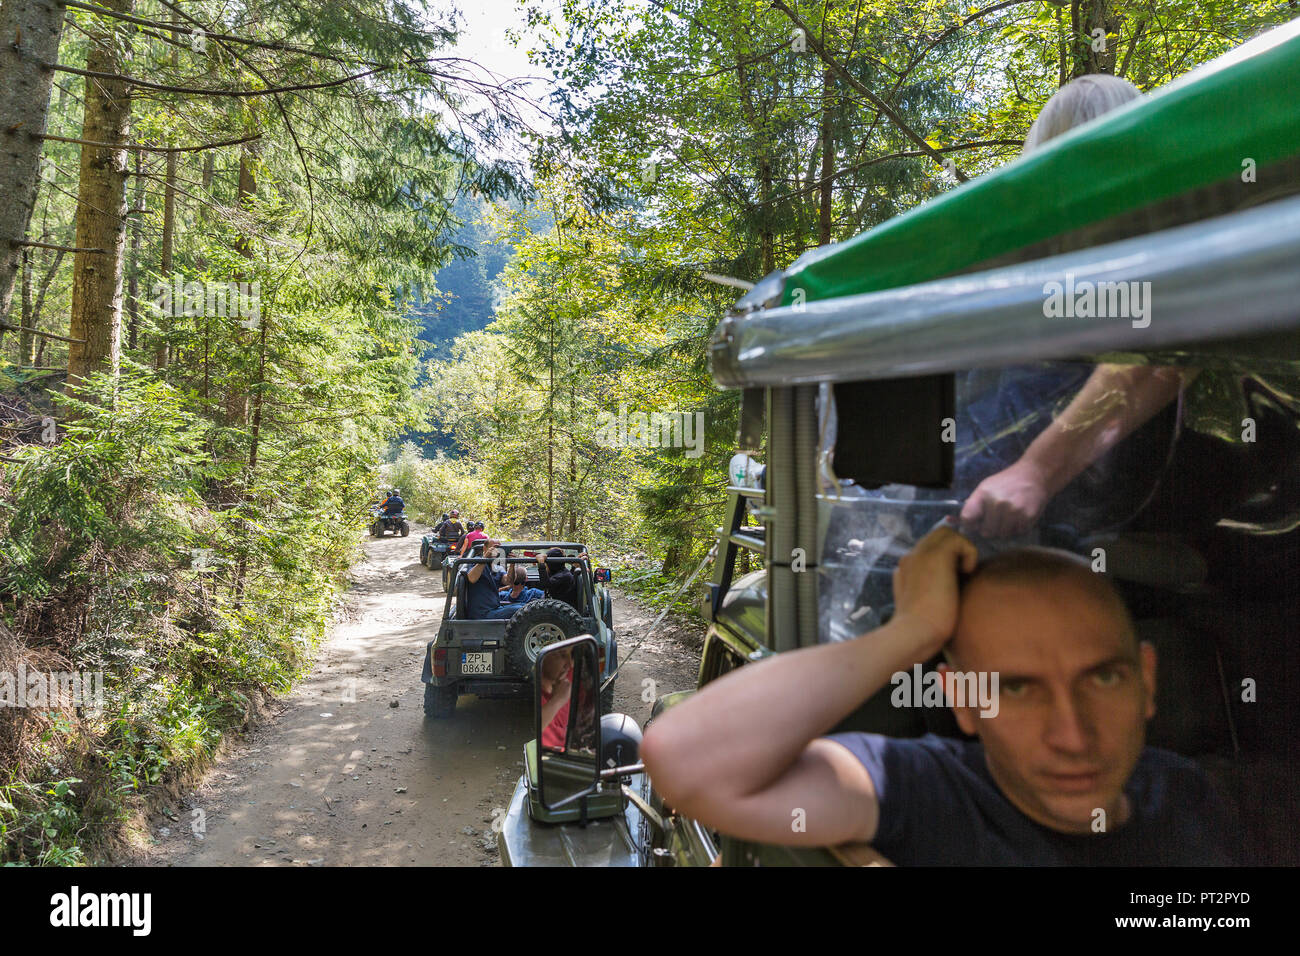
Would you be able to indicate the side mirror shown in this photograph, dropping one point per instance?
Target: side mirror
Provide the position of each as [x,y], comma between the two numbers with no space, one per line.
[603,575]
[566,688]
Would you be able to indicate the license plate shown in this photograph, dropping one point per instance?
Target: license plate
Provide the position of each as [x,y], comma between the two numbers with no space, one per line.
[476,663]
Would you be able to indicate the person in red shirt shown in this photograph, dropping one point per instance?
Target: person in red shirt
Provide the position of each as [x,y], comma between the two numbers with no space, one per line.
[475,534]
[556,685]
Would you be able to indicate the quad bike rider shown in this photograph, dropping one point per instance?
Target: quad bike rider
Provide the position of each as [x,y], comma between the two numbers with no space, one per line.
[391,516]
[445,542]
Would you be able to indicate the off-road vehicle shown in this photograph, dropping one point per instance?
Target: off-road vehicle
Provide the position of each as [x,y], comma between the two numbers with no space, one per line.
[495,658]
[381,523]
[894,372]
[435,548]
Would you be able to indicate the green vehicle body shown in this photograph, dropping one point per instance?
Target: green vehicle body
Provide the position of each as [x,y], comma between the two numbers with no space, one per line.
[898,311]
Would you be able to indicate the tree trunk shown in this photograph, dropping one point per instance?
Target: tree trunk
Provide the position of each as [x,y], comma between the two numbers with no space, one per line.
[34,320]
[209,169]
[550,455]
[101,213]
[1096,54]
[828,158]
[26,341]
[573,470]
[133,267]
[161,353]
[766,240]
[29,38]
[236,397]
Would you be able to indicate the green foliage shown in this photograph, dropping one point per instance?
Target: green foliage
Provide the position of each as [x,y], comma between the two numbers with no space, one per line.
[125,549]
[435,485]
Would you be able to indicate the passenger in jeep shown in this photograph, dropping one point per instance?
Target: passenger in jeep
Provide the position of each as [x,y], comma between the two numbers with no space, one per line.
[1113,403]
[516,595]
[476,533]
[557,580]
[481,585]
[1059,774]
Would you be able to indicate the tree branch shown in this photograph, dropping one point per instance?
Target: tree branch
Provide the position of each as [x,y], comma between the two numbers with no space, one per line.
[875,100]
[46,245]
[48,335]
[199,91]
[137,147]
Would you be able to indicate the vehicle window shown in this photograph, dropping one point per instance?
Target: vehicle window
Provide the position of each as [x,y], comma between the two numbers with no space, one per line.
[1000,486]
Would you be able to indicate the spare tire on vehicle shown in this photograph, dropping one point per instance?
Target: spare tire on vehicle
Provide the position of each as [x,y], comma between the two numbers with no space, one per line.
[535,625]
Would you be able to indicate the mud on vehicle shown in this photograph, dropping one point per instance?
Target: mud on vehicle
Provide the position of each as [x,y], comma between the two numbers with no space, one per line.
[495,658]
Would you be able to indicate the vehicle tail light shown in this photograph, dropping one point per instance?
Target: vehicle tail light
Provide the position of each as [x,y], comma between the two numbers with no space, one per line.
[440,662]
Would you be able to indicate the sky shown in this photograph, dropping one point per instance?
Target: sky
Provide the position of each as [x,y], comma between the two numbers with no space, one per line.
[483,38]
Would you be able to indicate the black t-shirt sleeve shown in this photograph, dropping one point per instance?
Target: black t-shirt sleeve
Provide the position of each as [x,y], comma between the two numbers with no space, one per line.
[911,788]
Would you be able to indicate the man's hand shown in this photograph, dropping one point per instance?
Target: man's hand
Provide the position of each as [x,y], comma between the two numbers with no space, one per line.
[1007,503]
[563,687]
[926,587]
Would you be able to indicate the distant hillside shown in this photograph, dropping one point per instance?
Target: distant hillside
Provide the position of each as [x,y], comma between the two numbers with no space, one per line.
[464,296]
[466,291]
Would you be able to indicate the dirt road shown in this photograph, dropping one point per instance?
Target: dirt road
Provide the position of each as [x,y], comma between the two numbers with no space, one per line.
[349,772]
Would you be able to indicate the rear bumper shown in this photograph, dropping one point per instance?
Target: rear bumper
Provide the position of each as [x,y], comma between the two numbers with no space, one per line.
[492,642]
[496,684]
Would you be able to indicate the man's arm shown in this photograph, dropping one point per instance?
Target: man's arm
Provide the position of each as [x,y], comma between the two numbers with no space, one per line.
[743,755]
[1114,402]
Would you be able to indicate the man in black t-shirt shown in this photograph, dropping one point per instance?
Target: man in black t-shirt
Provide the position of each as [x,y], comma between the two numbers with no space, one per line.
[1059,774]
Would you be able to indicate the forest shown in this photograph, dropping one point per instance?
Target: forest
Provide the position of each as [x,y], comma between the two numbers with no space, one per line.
[261,258]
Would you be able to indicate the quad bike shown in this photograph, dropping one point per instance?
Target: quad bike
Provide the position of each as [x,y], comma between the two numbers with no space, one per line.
[383,523]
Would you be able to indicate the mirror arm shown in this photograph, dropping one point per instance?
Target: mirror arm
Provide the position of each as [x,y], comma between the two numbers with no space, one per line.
[621,771]
[646,810]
